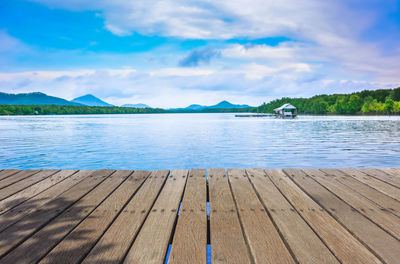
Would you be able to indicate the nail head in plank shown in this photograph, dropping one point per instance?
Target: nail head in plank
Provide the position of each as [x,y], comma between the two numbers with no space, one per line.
[15,214]
[383,176]
[7,173]
[305,244]
[24,228]
[190,239]
[33,190]
[345,247]
[262,237]
[152,241]
[364,189]
[385,219]
[56,229]
[362,228]
[113,245]
[374,183]
[19,176]
[78,243]
[227,241]
[17,187]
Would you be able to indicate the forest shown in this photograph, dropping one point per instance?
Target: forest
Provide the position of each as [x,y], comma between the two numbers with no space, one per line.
[383,101]
[72,110]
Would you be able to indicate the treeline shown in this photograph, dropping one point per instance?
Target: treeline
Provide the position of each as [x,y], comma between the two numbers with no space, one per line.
[217,110]
[383,101]
[72,110]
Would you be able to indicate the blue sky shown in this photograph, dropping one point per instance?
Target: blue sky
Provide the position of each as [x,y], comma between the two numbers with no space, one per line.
[173,53]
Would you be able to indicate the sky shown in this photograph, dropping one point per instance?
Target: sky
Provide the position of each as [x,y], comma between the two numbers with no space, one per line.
[173,53]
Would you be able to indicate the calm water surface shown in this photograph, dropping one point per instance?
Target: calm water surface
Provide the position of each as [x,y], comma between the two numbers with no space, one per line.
[197,141]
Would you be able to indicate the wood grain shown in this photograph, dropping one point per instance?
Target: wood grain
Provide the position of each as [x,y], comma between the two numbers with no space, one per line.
[226,235]
[265,243]
[114,244]
[342,243]
[78,243]
[305,244]
[367,191]
[152,241]
[24,228]
[56,230]
[189,244]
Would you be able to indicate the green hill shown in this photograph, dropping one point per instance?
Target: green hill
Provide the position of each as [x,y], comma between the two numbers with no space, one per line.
[32,99]
[383,101]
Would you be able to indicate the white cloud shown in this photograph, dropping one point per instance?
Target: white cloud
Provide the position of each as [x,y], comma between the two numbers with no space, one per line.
[213,19]
[327,31]
[252,84]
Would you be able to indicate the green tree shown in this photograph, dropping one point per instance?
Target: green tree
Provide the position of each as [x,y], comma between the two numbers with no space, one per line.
[319,107]
[389,105]
[355,103]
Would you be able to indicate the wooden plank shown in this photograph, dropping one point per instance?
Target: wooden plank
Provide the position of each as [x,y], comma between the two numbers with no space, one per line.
[79,242]
[17,177]
[7,173]
[383,176]
[374,183]
[18,186]
[264,241]
[33,190]
[17,233]
[152,241]
[377,214]
[345,247]
[114,244]
[53,232]
[305,244]
[376,239]
[227,241]
[391,171]
[364,189]
[15,214]
[190,238]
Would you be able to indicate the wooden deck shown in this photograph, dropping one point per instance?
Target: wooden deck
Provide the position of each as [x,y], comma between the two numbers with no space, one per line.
[194,216]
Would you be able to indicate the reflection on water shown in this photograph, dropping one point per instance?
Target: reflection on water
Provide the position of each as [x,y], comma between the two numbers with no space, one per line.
[197,141]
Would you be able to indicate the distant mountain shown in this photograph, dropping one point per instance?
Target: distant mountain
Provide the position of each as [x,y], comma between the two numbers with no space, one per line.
[195,107]
[136,105]
[227,105]
[90,100]
[33,99]
[220,105]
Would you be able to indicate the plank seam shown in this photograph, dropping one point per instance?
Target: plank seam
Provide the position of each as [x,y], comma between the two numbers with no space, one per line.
[49,220]
[113,220]
[20,179]
[88,214]
[368,185]
[15,172]
[31,184]
[366,197]
[338,221]
[240,222]
[358,211]
[272,219]
[3,212]
[171,239]
[144,219]
[312,229]
[379,179]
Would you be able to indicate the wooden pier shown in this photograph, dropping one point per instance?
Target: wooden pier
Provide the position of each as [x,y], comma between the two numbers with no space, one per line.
[179,216]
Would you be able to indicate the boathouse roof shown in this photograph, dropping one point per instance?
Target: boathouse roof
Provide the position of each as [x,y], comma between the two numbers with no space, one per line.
[285,106]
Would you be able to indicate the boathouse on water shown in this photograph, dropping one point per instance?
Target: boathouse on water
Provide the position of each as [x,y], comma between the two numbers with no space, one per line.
[286,111]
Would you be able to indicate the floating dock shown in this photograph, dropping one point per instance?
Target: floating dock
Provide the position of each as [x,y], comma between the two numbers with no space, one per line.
[179,216]
[255,115]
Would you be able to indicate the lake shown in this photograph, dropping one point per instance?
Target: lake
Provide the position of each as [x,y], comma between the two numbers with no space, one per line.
[155,141]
